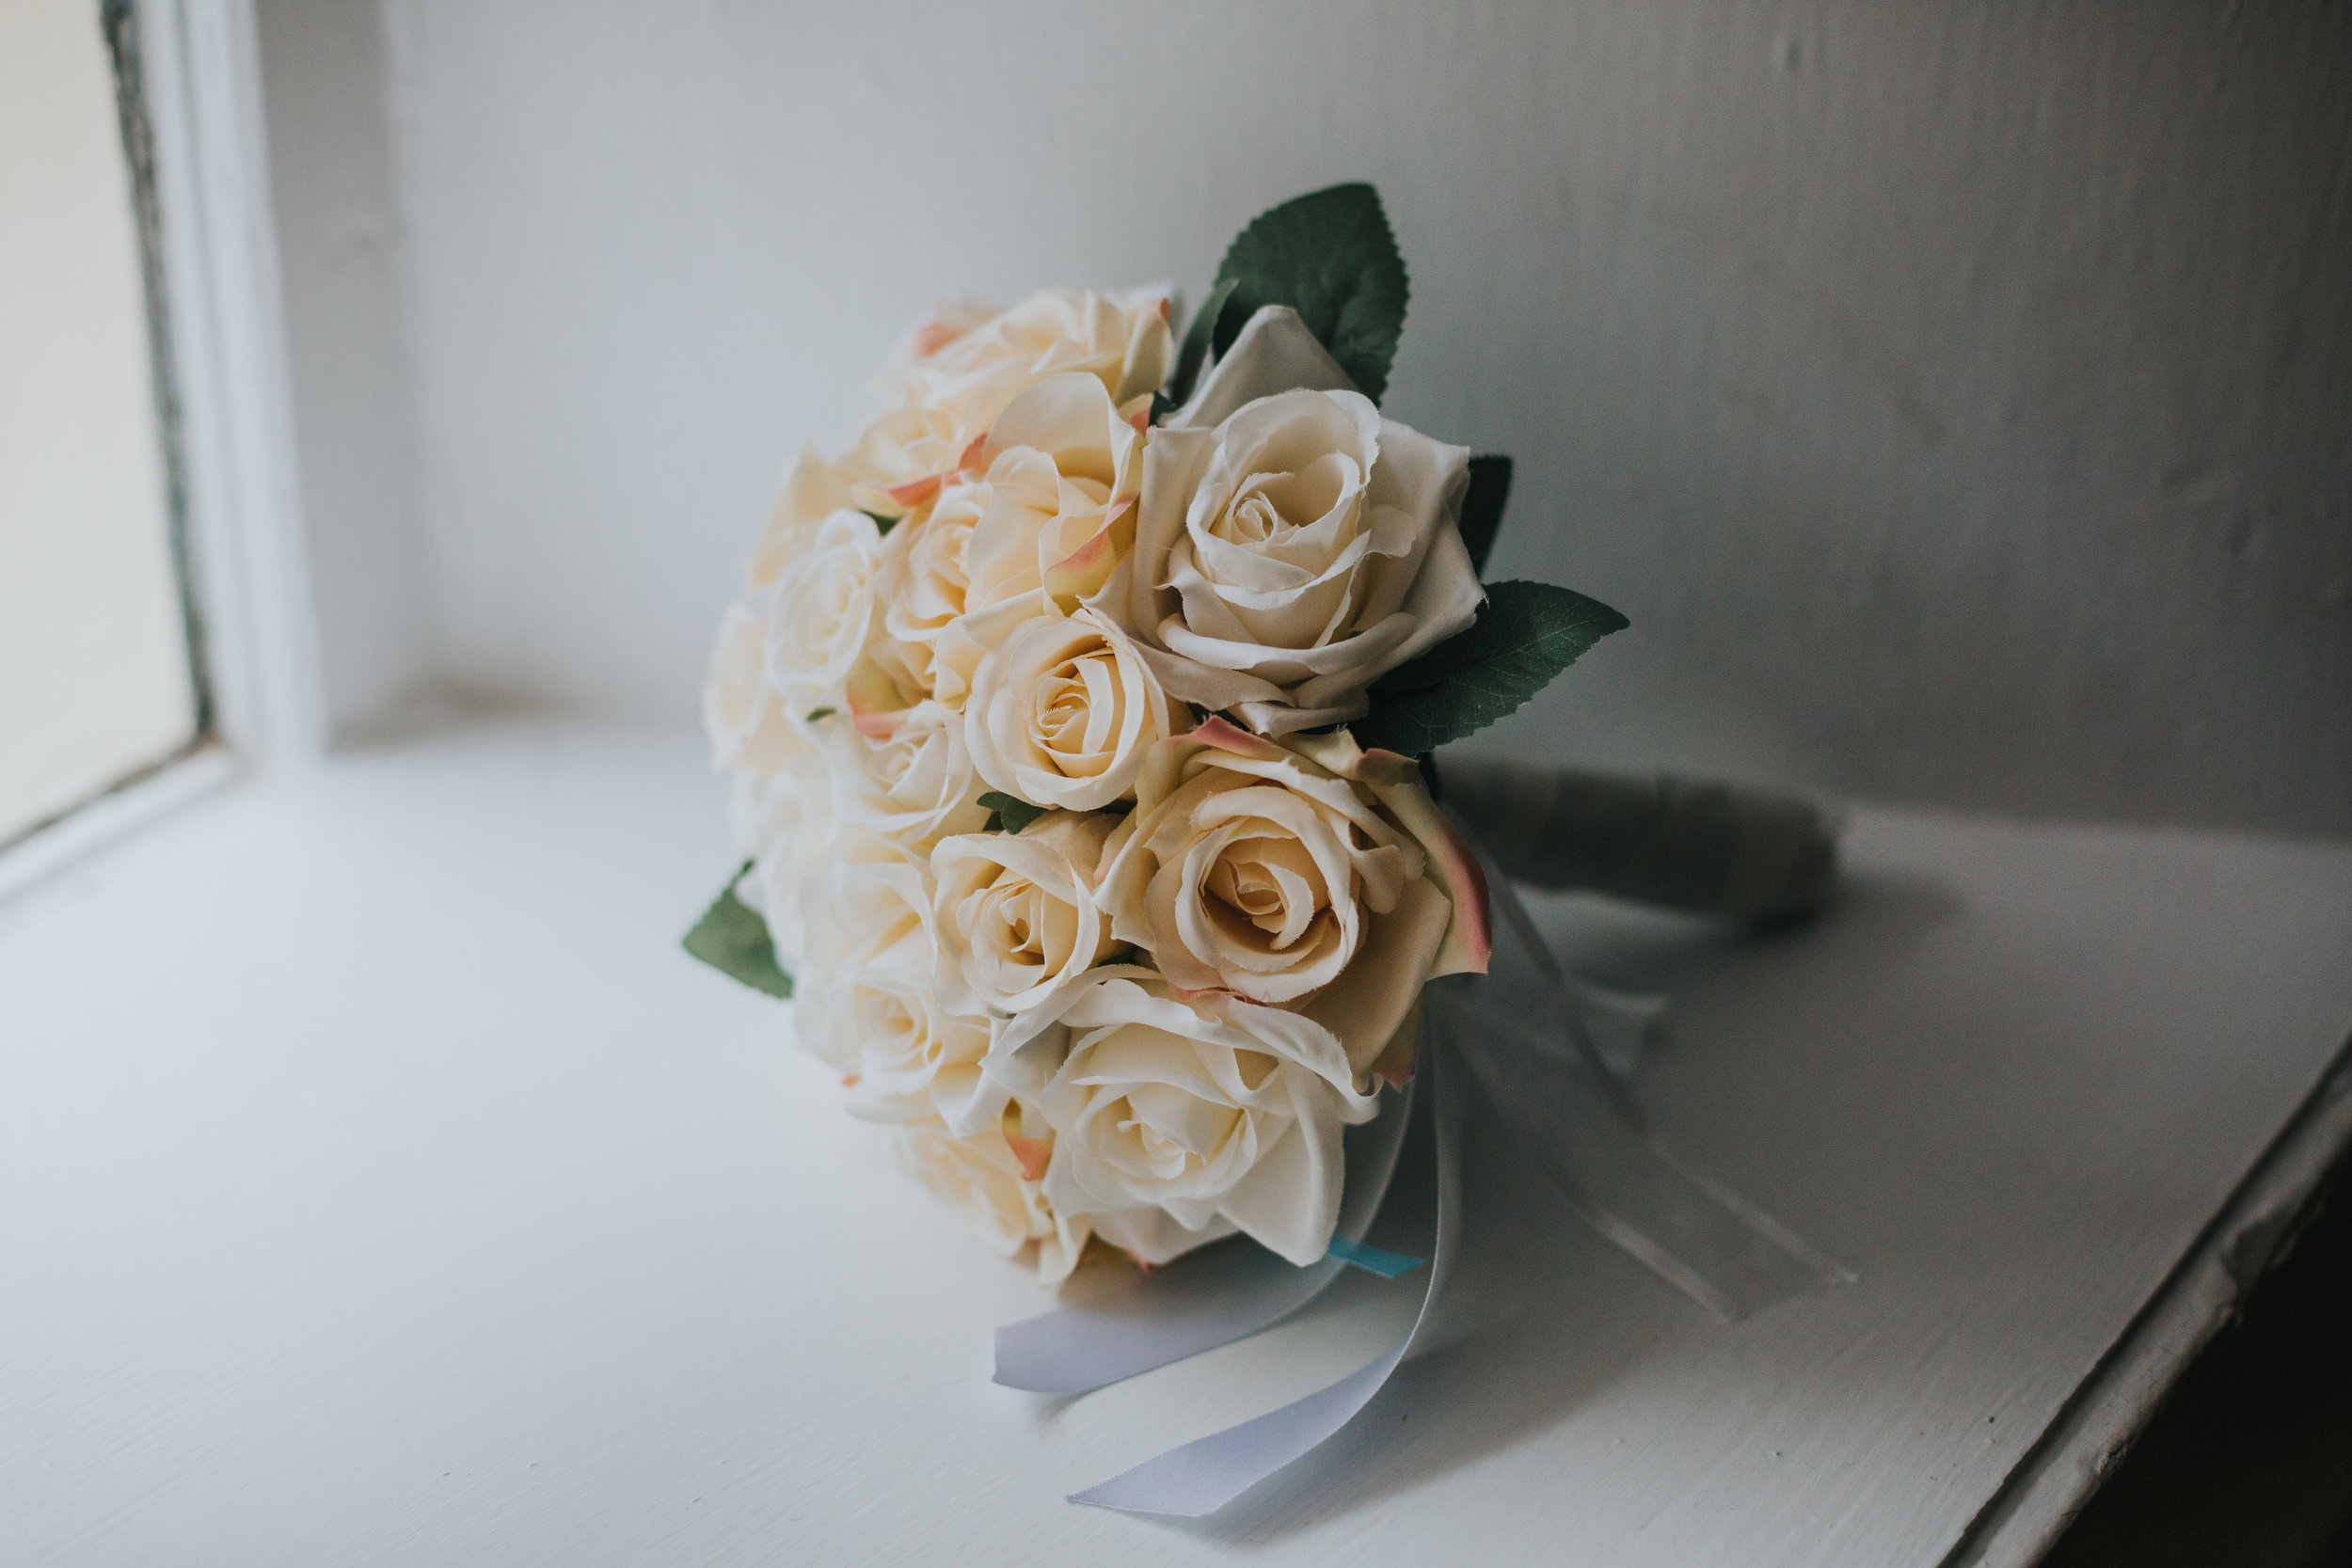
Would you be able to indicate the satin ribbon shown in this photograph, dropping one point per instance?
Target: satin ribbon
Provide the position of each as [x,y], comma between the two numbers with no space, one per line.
[1541,1045]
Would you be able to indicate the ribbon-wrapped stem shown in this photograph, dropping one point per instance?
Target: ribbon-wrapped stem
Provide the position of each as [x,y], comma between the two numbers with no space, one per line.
[1758,855]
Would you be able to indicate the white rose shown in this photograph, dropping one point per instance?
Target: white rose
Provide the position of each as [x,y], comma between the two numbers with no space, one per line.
[1038,523]
[864,904]
[902,458]
[783,821]
[1061,462]
[914,1056]
[904,774]
[869,1002]
[1310,874]
[868,904]
[1016,913]
[1297,548]
[976,365]
[1180,1120]
[745,716]
[925,582]
[967,369]
[985,1177]
[813,489]
[822,613]
[1063,711]
[963,370]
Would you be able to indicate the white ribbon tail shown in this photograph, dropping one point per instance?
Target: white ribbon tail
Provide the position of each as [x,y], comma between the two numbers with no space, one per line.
[1206,1474]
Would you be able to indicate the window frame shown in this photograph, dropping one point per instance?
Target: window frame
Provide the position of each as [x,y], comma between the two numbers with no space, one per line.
[188,91]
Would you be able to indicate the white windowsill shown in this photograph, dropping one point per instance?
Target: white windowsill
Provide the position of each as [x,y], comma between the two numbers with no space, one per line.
[383,1185]
[116,814]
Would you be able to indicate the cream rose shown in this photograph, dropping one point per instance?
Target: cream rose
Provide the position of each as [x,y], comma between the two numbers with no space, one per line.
[915,1056]
[1016,913]
[869,1002]
[904,774]
[783,821]
[975,364]
[813,489]
[1292,545]
[745,716]
[1063,712]
[962,369]
[926,583]
[864,904]
[1061,462]
[821,615]
[966,372]
[1180,1120]
[902,458]
[985,1177]
[1310,875]
[868,902]
[1038,523]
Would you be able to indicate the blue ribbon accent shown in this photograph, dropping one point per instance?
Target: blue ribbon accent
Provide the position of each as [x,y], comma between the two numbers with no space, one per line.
[1373,1260]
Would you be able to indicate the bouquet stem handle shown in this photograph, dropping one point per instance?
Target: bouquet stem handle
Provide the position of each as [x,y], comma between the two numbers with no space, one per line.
[1763,856]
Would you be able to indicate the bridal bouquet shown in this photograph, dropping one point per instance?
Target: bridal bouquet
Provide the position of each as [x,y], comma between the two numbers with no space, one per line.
[1073,715]
[1081,718]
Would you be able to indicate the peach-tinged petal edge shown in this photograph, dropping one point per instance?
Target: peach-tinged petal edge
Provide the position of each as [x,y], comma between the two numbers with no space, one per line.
[1225,735]
[1337,751]
[1086,568]
[914,491]
[876,704]
[933,335]
[1395,780]
[1394,1065]
[1033,1153]
[1468,941]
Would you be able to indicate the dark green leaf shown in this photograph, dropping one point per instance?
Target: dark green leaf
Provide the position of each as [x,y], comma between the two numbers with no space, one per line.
[1230,320]
[1197,337]
[817,713]
[1007,814]
[1482,507]
[1527,633]
[883,525]
[1330,257]
[732,938]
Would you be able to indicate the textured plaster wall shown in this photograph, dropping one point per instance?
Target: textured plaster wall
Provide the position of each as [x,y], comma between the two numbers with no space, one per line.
[1957,396]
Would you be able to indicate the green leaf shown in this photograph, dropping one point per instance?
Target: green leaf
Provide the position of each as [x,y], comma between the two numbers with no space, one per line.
[817,713]
[732,938]
[1008,814]
[1197,337]
[1482,507]
[883,525]
[1526,634]
[1330,257]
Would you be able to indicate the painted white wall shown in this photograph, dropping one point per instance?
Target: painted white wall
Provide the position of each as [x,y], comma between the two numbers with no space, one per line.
[340,248]
[1954,395]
